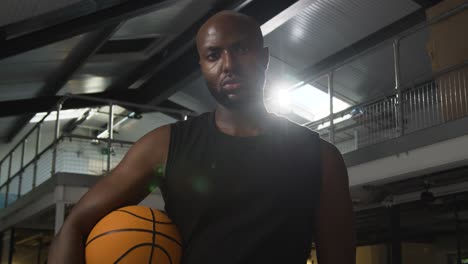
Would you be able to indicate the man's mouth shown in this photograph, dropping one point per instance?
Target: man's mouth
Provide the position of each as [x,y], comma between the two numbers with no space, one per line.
[231,85]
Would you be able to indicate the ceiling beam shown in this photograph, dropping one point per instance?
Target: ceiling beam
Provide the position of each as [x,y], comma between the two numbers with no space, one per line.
[87,46]
[426,3]
[358,48]
[77,26]
[46,103]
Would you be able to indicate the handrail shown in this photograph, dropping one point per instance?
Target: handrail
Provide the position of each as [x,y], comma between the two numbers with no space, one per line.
[100,139]
[50,146]
[123,103]
[89,98]
[405,88]
[25,136]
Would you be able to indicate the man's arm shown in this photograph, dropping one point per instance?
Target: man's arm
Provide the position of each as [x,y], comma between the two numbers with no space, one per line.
[334,224]
[128,184]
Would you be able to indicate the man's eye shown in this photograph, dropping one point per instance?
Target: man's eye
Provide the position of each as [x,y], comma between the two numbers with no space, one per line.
[213,56]
[243,50]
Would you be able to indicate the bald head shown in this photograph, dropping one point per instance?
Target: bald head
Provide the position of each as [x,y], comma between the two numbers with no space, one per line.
[232,21]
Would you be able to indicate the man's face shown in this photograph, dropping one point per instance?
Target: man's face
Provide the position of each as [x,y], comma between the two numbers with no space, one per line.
[233,63]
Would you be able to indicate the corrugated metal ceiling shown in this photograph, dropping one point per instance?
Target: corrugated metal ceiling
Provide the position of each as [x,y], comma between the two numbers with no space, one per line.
[23,75]
[328,26]
[12,11]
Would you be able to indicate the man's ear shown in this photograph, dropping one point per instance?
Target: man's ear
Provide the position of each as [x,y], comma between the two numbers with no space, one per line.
[265,57]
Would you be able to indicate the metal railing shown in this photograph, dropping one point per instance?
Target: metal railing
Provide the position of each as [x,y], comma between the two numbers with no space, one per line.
[442,99]
[38,156]
[422,102]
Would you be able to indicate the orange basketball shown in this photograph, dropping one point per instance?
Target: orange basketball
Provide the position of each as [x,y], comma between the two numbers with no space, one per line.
[134,234]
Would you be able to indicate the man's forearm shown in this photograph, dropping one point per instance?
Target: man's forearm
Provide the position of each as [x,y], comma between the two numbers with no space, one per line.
[67,247]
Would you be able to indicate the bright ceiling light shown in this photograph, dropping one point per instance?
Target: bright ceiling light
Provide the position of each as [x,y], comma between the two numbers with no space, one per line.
[284,99]
[95,83]
[64,114]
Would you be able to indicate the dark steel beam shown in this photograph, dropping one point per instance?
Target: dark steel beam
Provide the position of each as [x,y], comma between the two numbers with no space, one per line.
[426,3]
[45,103]
[77,26]
[324,66]
[163,82]
[90,43]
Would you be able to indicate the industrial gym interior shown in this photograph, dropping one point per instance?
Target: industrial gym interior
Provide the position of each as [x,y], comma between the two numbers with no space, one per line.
[386,81]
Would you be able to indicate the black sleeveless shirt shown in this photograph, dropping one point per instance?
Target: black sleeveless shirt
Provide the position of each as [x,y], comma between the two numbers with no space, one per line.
[242,199]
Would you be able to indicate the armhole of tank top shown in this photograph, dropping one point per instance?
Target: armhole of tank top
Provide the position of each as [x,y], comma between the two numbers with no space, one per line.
[171,149]
[318,154]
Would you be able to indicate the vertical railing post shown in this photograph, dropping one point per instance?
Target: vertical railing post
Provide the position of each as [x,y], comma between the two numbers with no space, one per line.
[36,155]
[330,93]
[399,101]
[56,137]
[110,135]
[23,145]
[8,178]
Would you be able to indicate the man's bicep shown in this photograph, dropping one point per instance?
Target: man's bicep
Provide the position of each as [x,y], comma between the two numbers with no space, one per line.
[334,228]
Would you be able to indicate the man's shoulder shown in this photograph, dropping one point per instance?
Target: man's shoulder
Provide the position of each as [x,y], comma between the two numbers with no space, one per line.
[193,119]
[290,128]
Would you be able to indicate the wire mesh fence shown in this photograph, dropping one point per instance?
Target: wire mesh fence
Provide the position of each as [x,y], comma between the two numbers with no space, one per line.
[119,150]
[88,156]
[81,156]
[44,167]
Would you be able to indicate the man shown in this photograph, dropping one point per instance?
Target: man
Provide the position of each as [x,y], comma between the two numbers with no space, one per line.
[242,185]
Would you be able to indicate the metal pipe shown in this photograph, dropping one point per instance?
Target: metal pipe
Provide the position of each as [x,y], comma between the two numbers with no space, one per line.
[27,134]
[8,180]
[21,169]
[117,102]
[458,97]
[330,93]
[110,136]
[435,115]
[9,165]
[93,138]
[465,89]
[56,138]
[396,61]
[36,155]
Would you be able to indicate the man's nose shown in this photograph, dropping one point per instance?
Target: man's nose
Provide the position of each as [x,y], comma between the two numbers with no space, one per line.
[229,62]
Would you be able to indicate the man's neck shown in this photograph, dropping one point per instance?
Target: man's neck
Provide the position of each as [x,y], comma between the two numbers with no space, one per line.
[245,122]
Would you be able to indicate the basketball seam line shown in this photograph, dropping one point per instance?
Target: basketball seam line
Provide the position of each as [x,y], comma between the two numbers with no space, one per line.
[142,245]
[154,237]
[133,229]
[144,218]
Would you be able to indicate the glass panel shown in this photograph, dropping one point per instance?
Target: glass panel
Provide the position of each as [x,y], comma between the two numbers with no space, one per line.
[2,196]
[30,147]
[26,183]
[16,161]
[13,190]
[4,171]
